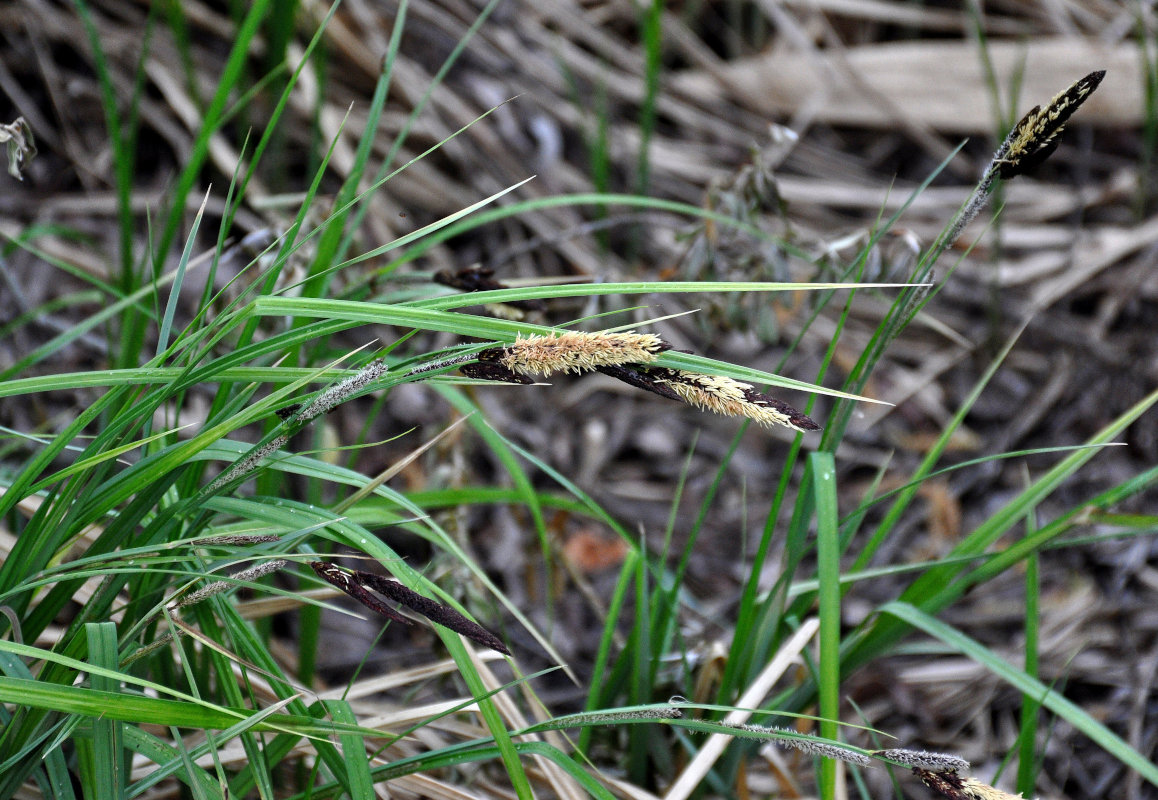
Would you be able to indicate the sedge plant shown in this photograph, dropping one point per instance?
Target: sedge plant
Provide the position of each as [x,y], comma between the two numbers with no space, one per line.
[128,660]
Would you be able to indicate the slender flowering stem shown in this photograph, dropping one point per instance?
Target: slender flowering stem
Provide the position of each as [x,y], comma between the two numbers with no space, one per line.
[1029,143]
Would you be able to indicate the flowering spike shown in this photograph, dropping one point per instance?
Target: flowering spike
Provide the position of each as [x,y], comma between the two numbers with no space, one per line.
[936,762]
[575,352]
[357,584]
[1037,134]
[954,787]
[731,398]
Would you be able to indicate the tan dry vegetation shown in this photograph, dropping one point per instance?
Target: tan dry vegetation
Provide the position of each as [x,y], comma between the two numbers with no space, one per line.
[876,93]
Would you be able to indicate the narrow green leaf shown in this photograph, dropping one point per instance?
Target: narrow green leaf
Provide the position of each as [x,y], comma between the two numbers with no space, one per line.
[1067,710]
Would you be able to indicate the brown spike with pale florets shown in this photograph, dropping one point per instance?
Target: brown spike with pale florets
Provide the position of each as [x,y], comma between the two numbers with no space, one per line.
[953,786]
[357,584]
[729,397]
[1036,135]
[575,352]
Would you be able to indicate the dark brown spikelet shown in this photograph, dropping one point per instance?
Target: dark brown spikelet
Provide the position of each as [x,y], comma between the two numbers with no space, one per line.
[285,414]
[1037,134]
[356,584]
[950,784]
[946,784]
[469,279]
[346,582]
[640,379]
[796,419]
[478,279]
[433,610]
[493,371]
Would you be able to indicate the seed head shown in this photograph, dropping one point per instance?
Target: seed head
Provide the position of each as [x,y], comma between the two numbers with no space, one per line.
[953,786]
[1036,135]
[575,352]
[732,398]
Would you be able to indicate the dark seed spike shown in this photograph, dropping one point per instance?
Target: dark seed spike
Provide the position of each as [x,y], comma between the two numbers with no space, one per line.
[798,419]
[478,279]
[433,610]
[493,371]
[946,784]
[639,378]
[1036,135]
[345,582]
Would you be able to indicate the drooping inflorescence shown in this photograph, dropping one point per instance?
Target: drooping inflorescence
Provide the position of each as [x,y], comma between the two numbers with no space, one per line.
[627,357]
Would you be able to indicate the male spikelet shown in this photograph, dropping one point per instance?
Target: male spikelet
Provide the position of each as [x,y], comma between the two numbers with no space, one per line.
[1038,133]
[575,352]
[357,584]
[953,786]
[730,398]
[1031,142]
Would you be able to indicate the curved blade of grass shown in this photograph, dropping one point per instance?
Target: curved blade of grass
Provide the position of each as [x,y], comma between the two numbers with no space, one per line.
[420,234]
[461,299]
[503,330]
[471,752]
[179,279]
[138,709]
[1067,710]
[170,761]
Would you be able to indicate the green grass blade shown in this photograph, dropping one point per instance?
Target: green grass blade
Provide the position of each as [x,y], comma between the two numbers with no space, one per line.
[1027,762]
[1072,714]
[108,752]
[354,756]
[823,469]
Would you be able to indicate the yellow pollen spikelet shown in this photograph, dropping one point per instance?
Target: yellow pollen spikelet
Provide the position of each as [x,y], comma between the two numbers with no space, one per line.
[1035,136]
[735,399]
[983,791]
[577,352]
[951,785]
